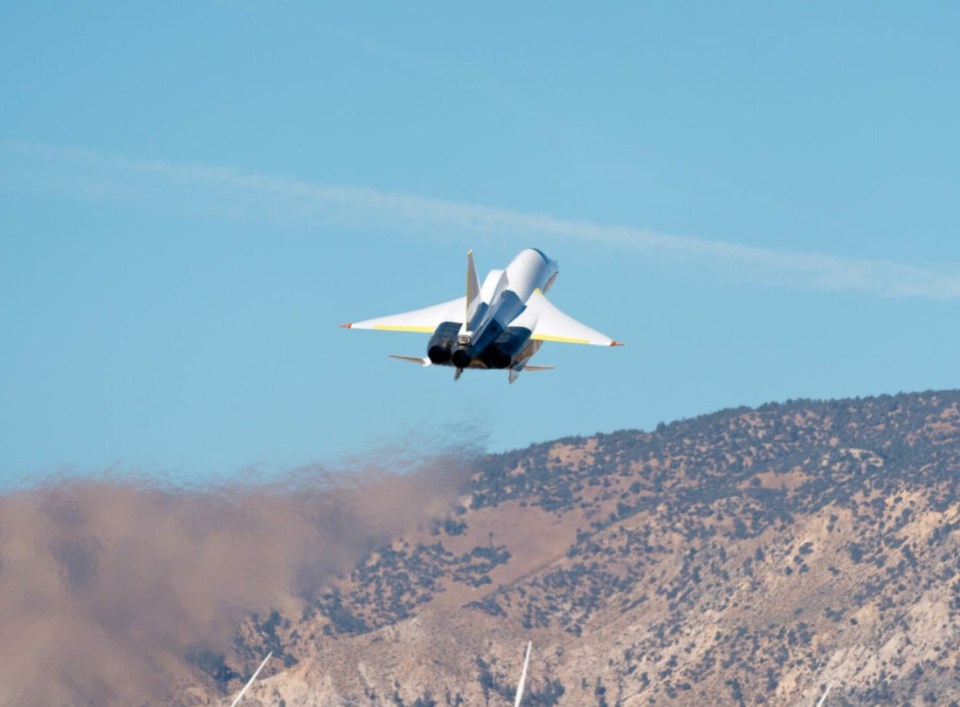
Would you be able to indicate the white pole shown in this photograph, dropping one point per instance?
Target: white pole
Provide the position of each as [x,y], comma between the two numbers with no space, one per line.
[250,681]
[523,676]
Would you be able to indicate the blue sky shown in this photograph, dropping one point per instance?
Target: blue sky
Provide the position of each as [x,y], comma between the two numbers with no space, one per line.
[760,200]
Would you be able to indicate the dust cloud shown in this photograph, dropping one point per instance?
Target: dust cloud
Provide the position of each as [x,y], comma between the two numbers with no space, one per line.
[106,586]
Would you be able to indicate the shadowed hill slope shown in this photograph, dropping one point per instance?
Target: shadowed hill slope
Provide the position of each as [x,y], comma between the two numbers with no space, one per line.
[745,557]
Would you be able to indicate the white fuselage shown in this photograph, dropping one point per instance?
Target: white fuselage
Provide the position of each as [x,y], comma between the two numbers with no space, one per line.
[503,299]
[531,270]
[505,292]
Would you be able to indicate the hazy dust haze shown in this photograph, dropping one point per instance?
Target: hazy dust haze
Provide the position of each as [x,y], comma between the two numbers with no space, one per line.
[106,586]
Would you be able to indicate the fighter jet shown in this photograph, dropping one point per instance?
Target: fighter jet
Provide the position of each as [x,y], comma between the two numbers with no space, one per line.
[500,325]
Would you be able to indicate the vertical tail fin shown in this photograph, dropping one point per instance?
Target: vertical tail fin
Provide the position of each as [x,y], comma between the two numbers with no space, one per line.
[473,291]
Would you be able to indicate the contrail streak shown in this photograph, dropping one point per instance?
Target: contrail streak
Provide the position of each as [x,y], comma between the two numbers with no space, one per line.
[253,677]
[824,698]
[93,174]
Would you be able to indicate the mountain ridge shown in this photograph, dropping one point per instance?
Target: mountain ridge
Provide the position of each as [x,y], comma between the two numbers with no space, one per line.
[747,556]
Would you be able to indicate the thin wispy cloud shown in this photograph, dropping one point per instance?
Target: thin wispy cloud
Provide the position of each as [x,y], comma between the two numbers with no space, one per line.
[90,174]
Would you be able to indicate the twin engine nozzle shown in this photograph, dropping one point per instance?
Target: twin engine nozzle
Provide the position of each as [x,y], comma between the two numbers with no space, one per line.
[441,354]
[444,348]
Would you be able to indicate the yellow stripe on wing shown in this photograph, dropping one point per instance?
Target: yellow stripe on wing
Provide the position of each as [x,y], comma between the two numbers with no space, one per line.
[561,339]
[418,329]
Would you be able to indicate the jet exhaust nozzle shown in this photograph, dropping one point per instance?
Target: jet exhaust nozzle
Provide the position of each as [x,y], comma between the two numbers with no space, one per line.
[438,354]
[509,344]
[442,342]
[499,359]
[461,358]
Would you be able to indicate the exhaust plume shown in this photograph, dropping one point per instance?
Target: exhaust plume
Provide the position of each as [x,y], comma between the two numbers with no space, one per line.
[108,586]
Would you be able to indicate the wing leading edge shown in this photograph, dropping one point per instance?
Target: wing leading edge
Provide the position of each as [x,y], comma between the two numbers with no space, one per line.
[554,325]
[424,320]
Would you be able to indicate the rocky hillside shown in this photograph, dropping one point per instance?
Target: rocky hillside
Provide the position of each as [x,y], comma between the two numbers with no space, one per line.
[745,557]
